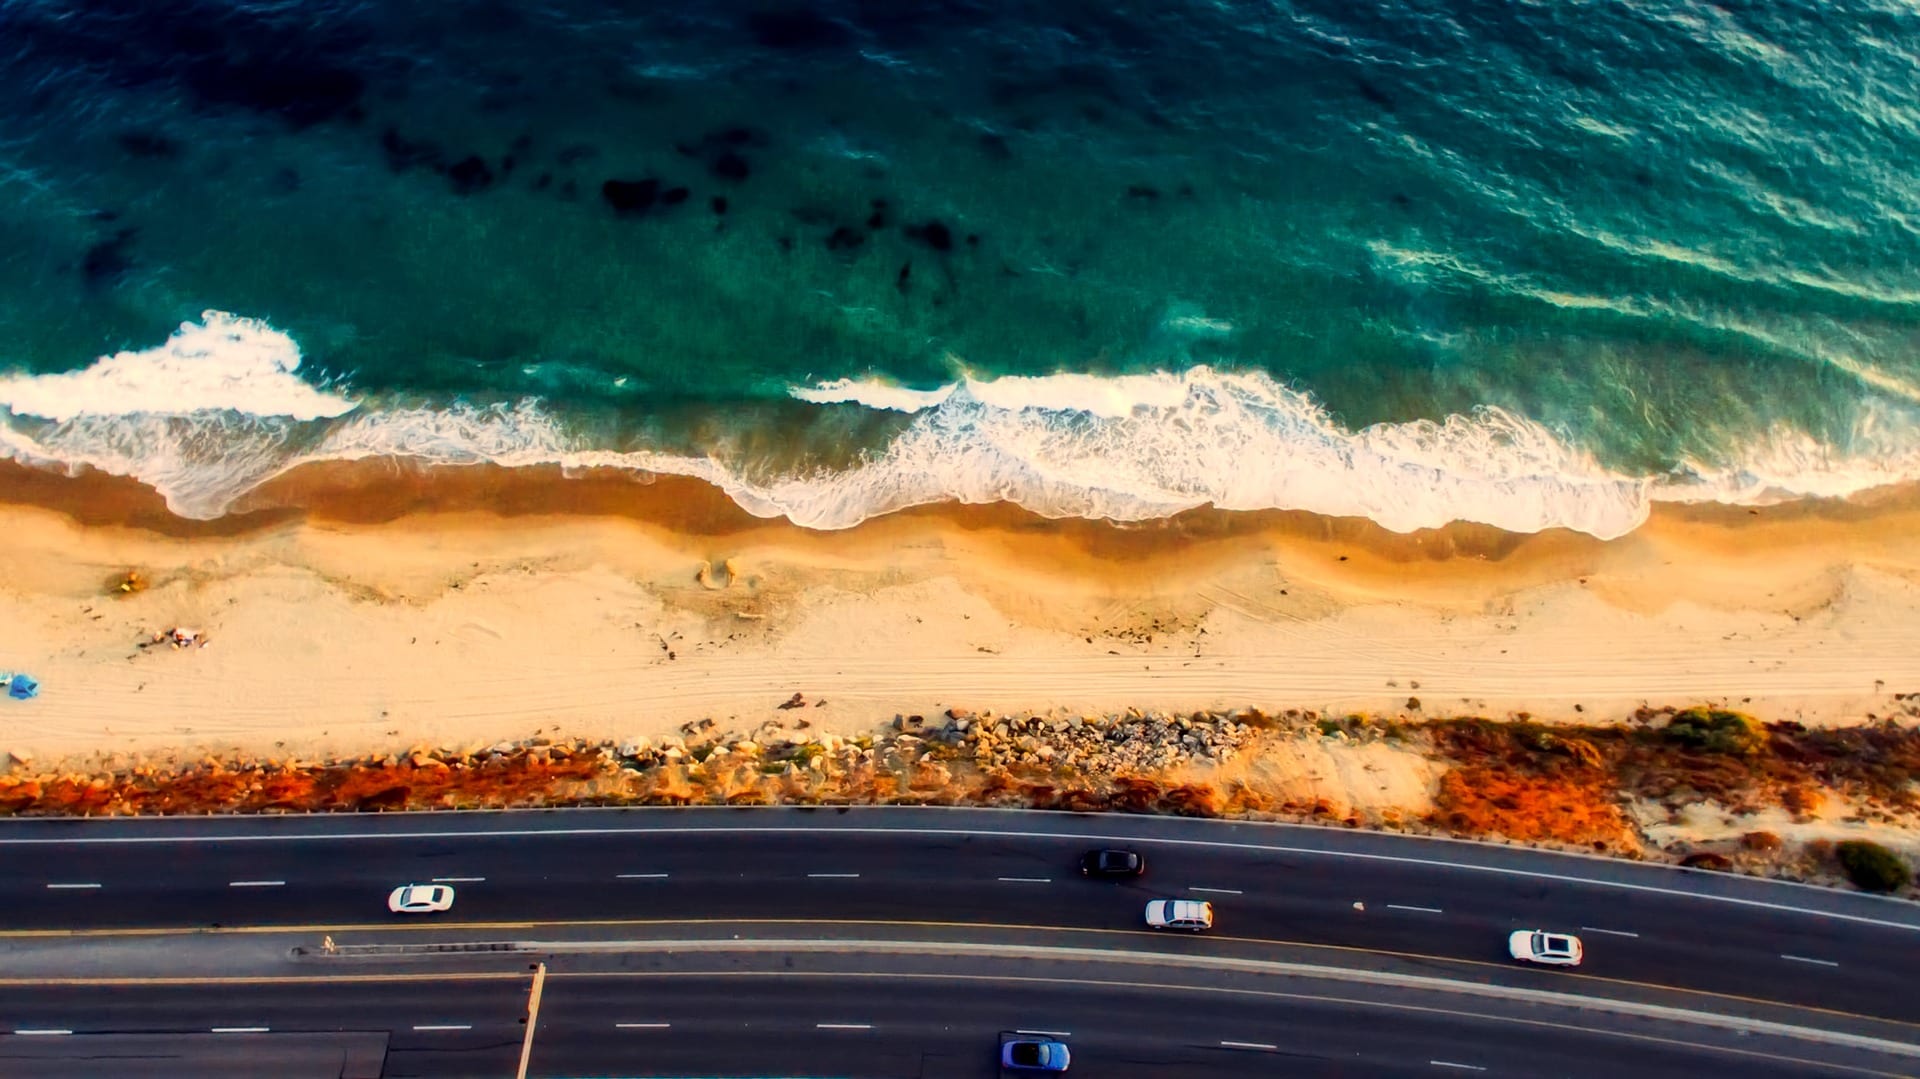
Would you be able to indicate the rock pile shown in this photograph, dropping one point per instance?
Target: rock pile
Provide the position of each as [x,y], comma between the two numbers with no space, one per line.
[1133,743]
[1129,744]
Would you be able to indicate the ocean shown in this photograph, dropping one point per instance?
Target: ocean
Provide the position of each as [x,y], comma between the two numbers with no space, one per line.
[1535,265]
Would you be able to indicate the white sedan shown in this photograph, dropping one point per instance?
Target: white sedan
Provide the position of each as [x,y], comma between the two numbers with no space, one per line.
[420,898]
[1550,949]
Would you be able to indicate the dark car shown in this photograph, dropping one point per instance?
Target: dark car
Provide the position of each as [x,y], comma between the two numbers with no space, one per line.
[1112,863]
[1035,1055]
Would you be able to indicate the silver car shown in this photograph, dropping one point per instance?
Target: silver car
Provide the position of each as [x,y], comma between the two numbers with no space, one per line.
[1192,915]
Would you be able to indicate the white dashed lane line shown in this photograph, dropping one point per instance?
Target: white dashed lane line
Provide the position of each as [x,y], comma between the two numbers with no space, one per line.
[40,1032]
[1423,910]
[641,1026]
[1451,1064]
[1218,891]
[844,1026]
[1804,959]
[1027,880]
[458,880]
[1609,932]
[1048,1033]
[442,1026]
[833,876]
[640,876]
[1265,1047]
[239,1030]
[256,884]
[70,887]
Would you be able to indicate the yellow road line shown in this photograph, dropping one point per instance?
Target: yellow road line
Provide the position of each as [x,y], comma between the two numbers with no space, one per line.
[274,979]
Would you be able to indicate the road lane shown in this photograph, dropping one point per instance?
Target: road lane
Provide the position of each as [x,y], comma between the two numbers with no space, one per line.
[893,1025]
[1404,907]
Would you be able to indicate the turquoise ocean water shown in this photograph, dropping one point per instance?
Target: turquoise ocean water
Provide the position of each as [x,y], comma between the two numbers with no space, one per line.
[1531,264]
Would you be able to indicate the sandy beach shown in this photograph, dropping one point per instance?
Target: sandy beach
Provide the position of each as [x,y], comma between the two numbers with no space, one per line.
[361,609]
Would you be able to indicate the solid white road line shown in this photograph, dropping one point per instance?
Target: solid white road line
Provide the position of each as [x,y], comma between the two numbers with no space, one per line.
[1250,1045]
[1219,891]
[443,1026]
[239,1030]
[1609,932]
[1028,880]
[40,1032]
[834,876]
[458,880]
[1451,1064]
[1048,1033]
[640,876]
[1815,962]
[256,883]
[641,1026]
[844,1026]
[60,887]
[1423,910]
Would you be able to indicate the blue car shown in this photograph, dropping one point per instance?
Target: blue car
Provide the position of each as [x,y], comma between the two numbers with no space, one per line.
[1035,1055]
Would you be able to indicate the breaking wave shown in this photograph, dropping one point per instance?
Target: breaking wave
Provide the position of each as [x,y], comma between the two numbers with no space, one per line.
[219,409]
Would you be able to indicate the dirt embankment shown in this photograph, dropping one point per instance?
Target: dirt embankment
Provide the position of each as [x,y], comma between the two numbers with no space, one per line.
[1709,788]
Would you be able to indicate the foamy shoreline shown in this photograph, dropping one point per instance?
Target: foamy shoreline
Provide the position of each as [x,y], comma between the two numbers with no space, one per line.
[393,610]
[220,410]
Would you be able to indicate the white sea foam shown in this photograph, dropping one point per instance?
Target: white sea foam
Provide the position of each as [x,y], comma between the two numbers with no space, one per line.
[1127,447]
[1101,395]
[224,363]
[1141,446]
[1882,448]
[872,393]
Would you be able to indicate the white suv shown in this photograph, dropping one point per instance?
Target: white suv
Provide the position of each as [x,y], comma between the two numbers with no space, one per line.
[1189,914]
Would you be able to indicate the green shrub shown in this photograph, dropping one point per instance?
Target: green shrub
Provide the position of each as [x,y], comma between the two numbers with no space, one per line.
[1716,731]
[1872,867]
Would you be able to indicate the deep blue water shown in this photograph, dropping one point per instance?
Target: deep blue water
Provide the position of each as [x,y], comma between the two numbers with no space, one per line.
[1529,264]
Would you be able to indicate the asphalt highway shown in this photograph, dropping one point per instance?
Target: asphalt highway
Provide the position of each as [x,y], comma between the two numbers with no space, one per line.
[726,1024]
[1711,942]
[1417,908]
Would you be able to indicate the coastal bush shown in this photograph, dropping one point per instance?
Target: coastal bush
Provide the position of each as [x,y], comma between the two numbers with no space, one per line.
[1716,731]
[1872,867]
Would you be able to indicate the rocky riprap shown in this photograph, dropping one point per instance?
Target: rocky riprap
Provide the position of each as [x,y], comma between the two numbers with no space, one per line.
[1078,744]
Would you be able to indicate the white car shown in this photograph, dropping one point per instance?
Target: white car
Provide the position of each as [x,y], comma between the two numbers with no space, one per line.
[1540,946]
[420,898]
[1192,915]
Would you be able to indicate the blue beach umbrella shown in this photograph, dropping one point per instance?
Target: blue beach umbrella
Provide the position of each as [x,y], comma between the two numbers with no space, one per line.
[22,688]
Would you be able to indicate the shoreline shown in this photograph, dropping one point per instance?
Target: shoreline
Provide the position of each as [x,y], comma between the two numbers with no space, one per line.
[380,605]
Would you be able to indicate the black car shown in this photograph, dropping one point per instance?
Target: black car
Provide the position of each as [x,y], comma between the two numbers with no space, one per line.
[1112,863]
